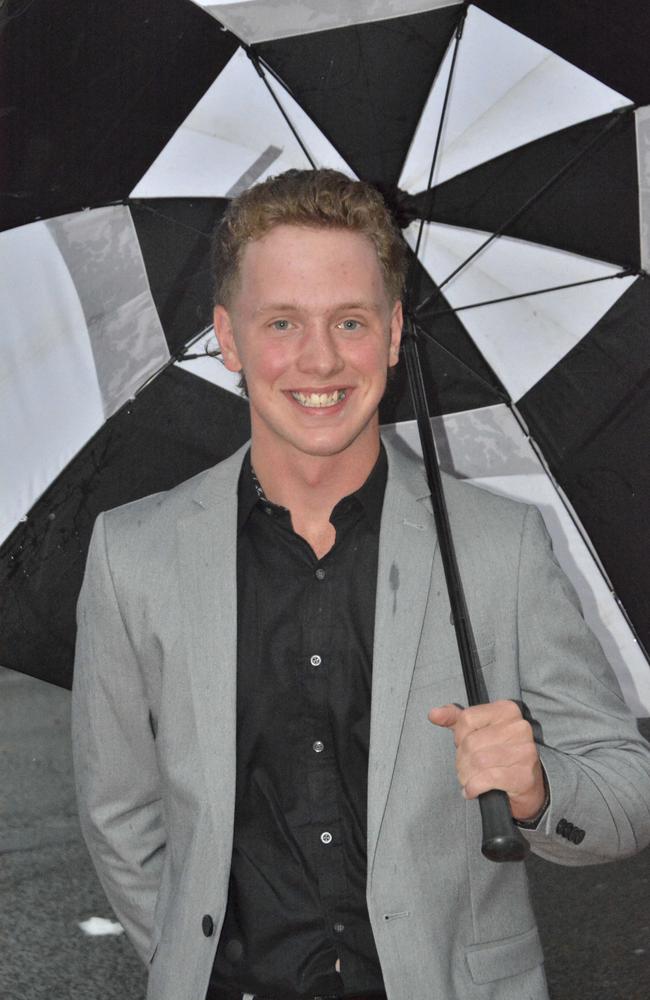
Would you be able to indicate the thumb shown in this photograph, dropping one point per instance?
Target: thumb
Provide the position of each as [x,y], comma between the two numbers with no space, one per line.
[446,716]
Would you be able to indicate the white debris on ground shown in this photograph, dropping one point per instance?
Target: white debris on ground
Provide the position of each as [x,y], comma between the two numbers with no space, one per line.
[99,925]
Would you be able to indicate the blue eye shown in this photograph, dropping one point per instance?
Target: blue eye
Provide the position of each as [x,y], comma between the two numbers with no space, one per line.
[280,324]
[350,324]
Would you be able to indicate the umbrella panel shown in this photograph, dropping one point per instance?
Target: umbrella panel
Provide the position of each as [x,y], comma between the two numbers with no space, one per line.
[175,236]
[592,209]
[590,415]
[368,106]
[94,94]
[608,40]
[175,427]
[459,377]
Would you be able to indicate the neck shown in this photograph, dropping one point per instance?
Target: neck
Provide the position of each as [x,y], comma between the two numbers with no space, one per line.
[310,486]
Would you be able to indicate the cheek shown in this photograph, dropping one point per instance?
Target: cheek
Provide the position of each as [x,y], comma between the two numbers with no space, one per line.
[268,362]
[372,359]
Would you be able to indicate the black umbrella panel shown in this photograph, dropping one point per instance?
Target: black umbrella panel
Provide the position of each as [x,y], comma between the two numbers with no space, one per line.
[106,279]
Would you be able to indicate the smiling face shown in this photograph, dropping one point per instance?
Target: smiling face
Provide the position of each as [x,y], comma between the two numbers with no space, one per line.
[314,332]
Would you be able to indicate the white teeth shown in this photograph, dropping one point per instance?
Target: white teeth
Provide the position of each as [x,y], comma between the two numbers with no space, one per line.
[319,399]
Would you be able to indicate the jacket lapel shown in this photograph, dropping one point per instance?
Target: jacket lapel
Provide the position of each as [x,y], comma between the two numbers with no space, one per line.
[406,551]
[208,574]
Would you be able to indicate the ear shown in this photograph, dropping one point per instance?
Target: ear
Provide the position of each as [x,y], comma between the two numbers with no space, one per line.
[396,323]
[226,337]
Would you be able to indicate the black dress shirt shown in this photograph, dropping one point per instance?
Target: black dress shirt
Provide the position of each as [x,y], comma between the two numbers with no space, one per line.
[297,895]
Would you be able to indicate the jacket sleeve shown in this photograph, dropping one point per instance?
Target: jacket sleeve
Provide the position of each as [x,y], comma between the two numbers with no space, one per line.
[597,763]
[114,754]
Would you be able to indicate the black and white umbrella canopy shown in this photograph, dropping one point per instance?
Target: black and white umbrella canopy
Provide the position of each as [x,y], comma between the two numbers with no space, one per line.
[126,131]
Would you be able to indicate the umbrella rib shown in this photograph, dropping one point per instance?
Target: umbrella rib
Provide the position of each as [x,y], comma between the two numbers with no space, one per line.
[276,76]
[145,206]
[443,115]
[260,66]
[627,273]
[427,333]
[259,69]
[614,121]
[177,357]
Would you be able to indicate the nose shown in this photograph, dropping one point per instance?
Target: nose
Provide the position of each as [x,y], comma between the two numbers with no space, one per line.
[319,354]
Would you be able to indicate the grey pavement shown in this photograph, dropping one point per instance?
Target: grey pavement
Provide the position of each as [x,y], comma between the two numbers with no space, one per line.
[47,882]
[595,922]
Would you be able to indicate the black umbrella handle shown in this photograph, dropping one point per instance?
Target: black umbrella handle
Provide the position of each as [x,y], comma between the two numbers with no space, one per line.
[502,840]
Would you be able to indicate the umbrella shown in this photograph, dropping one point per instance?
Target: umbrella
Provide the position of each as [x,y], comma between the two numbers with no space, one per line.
[126,152]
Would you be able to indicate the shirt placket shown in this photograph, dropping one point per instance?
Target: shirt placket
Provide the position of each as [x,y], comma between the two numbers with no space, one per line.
[328,848]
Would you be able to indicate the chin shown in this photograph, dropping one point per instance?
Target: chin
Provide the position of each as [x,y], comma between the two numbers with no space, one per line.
[329,445]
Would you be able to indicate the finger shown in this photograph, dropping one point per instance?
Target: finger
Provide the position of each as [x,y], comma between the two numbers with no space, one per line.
[489,714]
[517,732]
[446,715]
[490,759]
[525,789]
[500,778]
[515,780]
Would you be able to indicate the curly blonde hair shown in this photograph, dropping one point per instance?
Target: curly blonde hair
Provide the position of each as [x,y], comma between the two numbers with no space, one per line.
[318,199]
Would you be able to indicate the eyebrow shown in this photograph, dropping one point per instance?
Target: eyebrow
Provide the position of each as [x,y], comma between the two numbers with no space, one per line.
[296,307]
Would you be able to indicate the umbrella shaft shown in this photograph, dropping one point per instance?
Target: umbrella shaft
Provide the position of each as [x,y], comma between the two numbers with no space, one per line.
[474,683]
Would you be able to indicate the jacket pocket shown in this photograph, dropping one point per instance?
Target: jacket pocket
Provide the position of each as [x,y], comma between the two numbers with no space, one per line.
[508,957]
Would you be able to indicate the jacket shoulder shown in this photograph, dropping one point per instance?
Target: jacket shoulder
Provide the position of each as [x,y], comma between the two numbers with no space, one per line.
[480,519]
[470,498]
[159,512]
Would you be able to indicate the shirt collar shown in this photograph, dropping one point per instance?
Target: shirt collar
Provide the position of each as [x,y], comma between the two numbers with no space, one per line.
[246,493]
[370,496]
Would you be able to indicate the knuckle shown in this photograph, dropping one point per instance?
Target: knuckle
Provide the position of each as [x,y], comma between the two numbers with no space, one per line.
[523,729]
[514,735]
[466,721]
[524,734]
[472,788]
[514,712]
[482,760]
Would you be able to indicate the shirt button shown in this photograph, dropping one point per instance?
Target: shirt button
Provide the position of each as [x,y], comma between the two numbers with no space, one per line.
[326,837]
[339,928]
[320,574]
[318,747]
[315,660]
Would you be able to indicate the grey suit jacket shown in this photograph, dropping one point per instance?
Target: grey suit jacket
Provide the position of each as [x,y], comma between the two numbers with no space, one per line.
[154,734]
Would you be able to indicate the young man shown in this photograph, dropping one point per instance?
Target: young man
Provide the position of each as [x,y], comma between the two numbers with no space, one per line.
[266,669]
